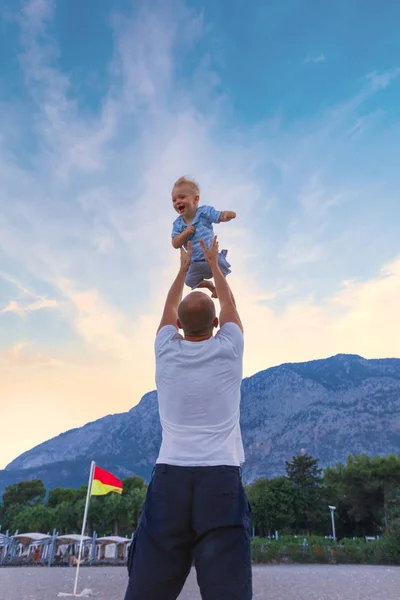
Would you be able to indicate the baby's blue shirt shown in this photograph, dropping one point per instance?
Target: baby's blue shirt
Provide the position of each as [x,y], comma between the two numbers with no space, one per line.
[203,226]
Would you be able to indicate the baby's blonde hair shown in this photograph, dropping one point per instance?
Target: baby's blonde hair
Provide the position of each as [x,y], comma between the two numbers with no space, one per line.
[185,180]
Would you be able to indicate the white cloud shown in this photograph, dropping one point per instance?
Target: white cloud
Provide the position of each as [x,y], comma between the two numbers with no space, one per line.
[74,141]
[382,80]
[121,208]
[22,308]
[92,219]
[15,307]
[315,59]
[17,284]
[20,356]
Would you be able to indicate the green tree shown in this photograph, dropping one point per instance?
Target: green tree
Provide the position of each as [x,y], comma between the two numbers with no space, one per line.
[2,517]
[66,518]
[271,504]
[116,513]
[133,483]
[258,495]
[63,495]
[365,487]
[39,518]
[135,501]
[392,516]
[305,476]
[25,493]
[282,491]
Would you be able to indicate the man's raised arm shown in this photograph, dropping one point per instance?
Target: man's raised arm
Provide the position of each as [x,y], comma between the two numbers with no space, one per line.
[170,314]
[229,313]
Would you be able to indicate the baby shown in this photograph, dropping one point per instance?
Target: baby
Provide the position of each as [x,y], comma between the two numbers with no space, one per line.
[195,223]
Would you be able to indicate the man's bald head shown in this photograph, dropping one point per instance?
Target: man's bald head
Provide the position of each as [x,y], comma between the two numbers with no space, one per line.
[196,315]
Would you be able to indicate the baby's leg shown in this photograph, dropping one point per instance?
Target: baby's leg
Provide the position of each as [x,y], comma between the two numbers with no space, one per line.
[197,276]
[225,268]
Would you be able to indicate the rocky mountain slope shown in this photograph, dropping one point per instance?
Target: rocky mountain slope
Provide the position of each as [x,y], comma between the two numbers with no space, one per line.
[329,408]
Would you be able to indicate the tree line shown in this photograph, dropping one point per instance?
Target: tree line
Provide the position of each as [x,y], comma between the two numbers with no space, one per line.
[26,506]
[365,491]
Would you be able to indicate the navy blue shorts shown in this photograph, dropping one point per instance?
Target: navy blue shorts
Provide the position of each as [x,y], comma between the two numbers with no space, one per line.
[192,513]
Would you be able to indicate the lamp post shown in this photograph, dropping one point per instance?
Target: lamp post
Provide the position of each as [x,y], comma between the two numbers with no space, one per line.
[332,509]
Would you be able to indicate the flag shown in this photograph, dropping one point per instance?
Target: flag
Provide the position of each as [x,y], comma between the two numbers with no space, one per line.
[104,482]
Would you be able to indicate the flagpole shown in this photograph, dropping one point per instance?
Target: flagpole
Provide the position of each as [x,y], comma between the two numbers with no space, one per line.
[89,490]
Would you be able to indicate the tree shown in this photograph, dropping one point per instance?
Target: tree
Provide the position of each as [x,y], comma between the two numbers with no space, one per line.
[116,512]
[271,504]
[305,476]
[260,500]
[39,518]
[304,472]
[2,516]
[25,493]
[135,501]
[133,483]
[66,518]
[282,492]
[365,487]
[63,495]
[392,516]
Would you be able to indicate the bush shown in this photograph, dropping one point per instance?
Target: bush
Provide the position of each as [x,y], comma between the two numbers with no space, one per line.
[385,551]
[268,551]
[298,553]
[260,550]
[390,548]
[349,554]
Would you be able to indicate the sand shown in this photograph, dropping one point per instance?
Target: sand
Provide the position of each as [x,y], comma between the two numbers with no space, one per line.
[275,582]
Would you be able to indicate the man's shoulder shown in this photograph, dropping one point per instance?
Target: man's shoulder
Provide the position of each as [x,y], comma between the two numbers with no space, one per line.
[167,331]
[231,334]
[165,335]
[231,328]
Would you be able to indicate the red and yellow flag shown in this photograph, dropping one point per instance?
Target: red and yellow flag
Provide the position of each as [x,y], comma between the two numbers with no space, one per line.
[104,482]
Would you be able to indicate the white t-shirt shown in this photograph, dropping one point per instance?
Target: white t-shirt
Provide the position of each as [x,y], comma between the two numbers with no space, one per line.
[198,385]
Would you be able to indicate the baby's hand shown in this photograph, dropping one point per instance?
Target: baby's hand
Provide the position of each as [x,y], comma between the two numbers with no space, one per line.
[189,230]
[228,215]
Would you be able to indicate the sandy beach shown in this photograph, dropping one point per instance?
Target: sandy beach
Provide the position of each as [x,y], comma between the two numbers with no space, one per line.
[277,582]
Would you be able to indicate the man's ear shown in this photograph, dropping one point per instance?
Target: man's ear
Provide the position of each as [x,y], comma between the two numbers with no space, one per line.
[179,324]
[216,322]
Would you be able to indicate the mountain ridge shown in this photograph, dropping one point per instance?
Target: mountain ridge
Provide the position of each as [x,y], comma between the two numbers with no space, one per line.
[329,407]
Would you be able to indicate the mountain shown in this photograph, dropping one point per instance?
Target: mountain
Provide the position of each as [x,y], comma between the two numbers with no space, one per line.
[328,408]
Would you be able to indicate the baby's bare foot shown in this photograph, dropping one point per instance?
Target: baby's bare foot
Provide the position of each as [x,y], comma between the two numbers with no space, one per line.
[209,286]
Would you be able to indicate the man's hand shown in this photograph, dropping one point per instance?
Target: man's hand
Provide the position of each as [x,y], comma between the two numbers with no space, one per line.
[229,313]
[227,215]
[211,254]
[186,257]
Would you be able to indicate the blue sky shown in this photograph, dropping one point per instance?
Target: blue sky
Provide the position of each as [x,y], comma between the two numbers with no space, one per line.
[287,113]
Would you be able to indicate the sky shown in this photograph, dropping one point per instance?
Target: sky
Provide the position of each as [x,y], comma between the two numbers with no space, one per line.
[287,113]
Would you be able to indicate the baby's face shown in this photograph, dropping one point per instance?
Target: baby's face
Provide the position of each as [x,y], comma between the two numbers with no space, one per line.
[185,201]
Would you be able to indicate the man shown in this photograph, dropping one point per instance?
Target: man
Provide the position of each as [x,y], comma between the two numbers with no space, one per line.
[196,506]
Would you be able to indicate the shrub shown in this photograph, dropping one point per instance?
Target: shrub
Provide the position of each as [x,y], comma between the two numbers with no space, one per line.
[385,551]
